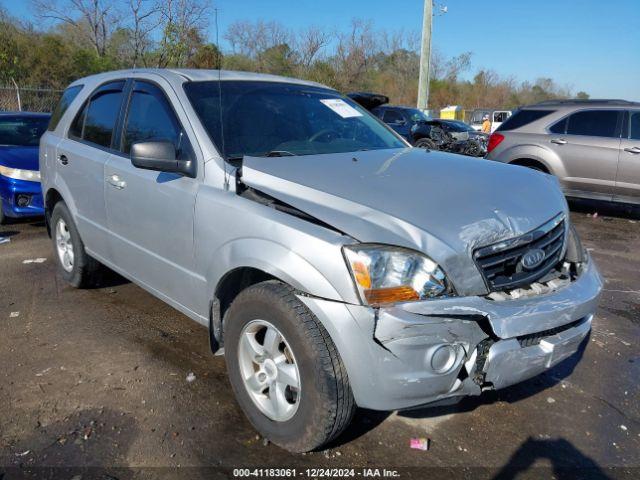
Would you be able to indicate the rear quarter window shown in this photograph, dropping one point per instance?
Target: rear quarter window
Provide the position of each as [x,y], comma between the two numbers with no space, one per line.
[67,97]
[522,118]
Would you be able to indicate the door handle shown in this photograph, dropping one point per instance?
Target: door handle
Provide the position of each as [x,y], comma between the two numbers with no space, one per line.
[116,182]
[559,141]
[635,150]
[63,160]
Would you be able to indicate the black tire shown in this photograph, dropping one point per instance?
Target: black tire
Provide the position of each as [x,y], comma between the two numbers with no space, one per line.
[426,143]
[85,272]
[326,401]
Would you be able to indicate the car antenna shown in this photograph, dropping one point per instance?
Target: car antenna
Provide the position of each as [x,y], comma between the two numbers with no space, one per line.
[224,153]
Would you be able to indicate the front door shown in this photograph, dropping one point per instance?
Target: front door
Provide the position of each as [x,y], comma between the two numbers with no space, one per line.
[150,213]
[628,177]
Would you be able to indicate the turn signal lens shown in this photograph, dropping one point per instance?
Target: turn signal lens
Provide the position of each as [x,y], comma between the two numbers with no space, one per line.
[383,296]
[361,273]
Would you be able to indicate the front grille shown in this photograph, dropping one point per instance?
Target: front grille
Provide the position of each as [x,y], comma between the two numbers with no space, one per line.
[534,338]
[501,263]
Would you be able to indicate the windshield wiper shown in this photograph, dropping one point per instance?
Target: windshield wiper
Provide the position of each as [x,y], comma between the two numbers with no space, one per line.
[279,153]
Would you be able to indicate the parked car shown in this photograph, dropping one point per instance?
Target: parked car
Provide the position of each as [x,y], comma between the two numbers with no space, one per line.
[333,265]
[497,117]
[410,123]
[592,146]
[20,192]
[456,136]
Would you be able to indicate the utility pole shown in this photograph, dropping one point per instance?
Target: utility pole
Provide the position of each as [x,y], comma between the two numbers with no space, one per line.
[425,56]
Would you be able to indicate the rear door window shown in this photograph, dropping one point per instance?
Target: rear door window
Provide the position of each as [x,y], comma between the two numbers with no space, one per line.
[594,123]
[559,127]
[96,121]
[634,125]
[522,118]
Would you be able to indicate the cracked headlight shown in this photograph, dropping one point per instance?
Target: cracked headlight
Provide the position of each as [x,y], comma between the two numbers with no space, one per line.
[385,274]
[18,174]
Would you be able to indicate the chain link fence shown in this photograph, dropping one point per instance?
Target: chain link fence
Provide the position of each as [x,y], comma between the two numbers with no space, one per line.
[28,99]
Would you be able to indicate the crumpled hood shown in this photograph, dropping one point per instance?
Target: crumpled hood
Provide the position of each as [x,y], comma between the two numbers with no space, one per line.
[442,204]
[25,158]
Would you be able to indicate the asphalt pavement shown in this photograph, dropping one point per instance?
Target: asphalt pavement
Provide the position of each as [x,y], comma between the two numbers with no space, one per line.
[94,383]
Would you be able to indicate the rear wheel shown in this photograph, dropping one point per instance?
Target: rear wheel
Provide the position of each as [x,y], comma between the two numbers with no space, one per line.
[74,264]
[285,370]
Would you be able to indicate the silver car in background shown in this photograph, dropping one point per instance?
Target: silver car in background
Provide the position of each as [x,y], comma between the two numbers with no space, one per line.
[592,146]
[333,265]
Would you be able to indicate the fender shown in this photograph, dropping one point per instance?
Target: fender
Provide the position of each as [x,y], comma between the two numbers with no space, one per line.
[545,156]
[274,259]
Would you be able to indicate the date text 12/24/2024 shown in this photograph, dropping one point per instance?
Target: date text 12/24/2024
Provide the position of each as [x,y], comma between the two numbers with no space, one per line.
[315,473]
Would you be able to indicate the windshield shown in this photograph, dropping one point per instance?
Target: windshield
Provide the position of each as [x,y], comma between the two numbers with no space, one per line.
[22,131]
[268,118]
[416,115]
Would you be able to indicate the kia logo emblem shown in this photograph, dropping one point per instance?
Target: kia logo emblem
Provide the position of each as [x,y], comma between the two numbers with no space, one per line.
[533,258]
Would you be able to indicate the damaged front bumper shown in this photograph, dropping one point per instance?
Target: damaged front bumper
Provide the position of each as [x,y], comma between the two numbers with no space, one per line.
[422,352]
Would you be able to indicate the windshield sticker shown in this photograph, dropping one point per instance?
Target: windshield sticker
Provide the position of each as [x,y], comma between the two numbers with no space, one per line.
[341,107]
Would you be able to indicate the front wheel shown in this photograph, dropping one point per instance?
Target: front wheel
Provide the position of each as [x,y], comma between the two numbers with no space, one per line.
[285,370]
[426,143]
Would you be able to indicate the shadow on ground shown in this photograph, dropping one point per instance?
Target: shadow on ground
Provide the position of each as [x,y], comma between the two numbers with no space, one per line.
[567,462]
[609,209]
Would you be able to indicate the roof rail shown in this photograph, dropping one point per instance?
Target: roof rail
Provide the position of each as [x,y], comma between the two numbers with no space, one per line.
[577,101]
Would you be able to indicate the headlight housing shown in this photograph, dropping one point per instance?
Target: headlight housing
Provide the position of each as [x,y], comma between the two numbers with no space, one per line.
[384,274]
[18,174]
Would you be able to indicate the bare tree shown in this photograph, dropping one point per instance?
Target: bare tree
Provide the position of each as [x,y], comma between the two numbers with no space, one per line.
[354,52]
[252,38]
[145,18]
[310,43]
[184,21]
[94,19]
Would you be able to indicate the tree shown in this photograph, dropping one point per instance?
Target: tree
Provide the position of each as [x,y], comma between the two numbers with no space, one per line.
[184,23]
[145,18]
[582,95]
[206,56]
[93,19]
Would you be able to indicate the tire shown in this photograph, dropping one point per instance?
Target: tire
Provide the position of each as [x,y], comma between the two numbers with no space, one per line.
[426,143]
[82,271]
[323,405]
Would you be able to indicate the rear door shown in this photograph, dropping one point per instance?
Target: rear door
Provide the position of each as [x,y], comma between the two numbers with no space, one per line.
[80,160]
[150,213]
[588,144]
[628,177]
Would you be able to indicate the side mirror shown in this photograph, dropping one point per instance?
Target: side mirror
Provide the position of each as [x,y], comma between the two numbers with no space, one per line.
[160,156]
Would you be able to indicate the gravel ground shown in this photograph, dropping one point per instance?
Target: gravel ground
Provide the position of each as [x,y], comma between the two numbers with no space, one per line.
[97,378]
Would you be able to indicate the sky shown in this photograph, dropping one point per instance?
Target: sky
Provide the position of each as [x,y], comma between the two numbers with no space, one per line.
[589,45]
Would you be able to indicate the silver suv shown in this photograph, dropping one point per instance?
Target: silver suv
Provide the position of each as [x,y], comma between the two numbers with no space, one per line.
[592,146]
[332,264]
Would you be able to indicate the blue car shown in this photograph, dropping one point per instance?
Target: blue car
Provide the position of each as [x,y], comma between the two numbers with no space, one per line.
[20,192]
